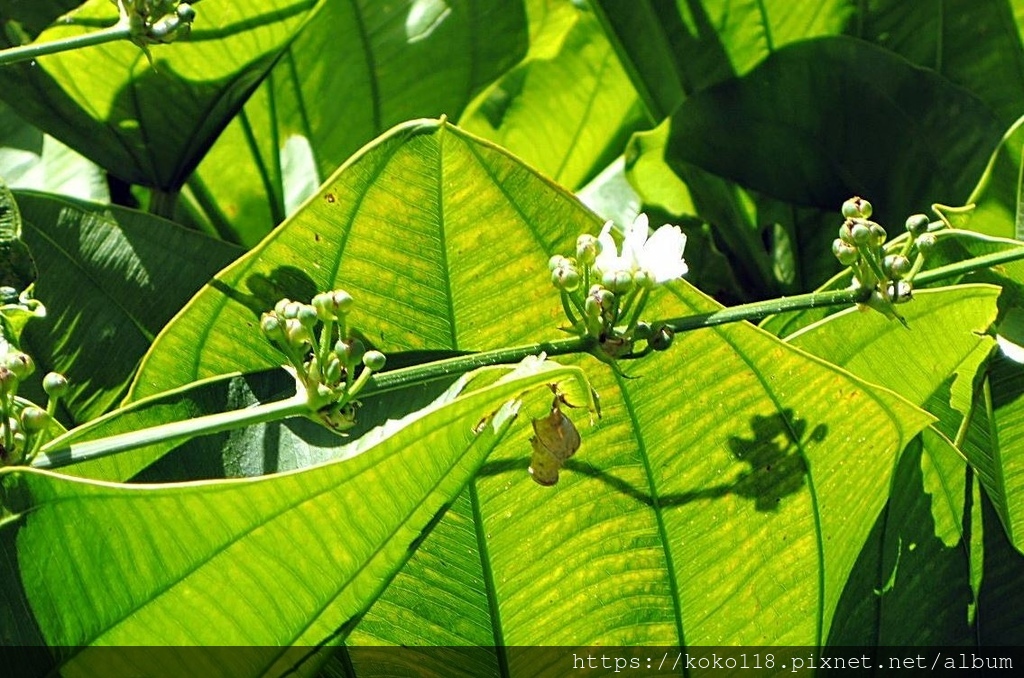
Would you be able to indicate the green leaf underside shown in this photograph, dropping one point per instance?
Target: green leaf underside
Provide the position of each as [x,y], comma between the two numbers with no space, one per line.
[438,236]
[110,278]
[568,109]
[282,560]
[151,124]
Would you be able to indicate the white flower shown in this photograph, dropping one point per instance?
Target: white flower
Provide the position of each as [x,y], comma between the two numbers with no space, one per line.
[660,257]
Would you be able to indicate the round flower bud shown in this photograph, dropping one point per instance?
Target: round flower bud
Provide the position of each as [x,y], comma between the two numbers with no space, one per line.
[556,261]
[661,338]
[186,12]
[846,254]
[341,301]
[349,352]
[899,291]
[307,315]
[34,420]
[925,242]
[643,280]
[606,298]
[643,331]
[618,282]
[897,265]
[587,249]
[846,232]
[374,360]
[878,233]
[20,364]
[861,233]
[7,378]
[281,305]
[566,278]
[272,327]
[592,307]
[297,334]
[55,384]
[917,224]
[857,207]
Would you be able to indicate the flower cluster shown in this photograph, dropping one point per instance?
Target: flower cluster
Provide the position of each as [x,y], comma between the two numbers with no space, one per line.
[156,21]
[24,426]
[324,355]
[886,270]
[604,288]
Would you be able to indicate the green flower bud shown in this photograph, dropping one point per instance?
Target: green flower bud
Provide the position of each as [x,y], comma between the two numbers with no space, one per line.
[55,385]
[643,280]
[186,12]
[34,420]
[606,298]
[917,224]
[857,207]
[899,291]
[846,232]
[925,242]
[643,331]
[556,261]
[587,249]
[272,327]
[592,307]
[335,371]
[878,233]
[281,305]
[349,352]
[861,233]
[374,360]
[661,338]
[20,364]
[297,334]
[307,315]
[897,265]
[341,301]
[566,278]
[7,379]
[845,253]
[618,282]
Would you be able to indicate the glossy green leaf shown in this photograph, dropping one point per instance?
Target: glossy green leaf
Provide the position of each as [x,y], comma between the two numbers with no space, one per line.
[803,140]
[455,229]
[151,124]
[291,559]
[110,279]
[568,109]
[948,40]
[680,484]
[999,456]
[357,70]
[676,49]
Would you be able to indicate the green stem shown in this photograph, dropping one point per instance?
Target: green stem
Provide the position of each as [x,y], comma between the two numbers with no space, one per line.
[418,374]
[163,203]
[174,431]
[14,55]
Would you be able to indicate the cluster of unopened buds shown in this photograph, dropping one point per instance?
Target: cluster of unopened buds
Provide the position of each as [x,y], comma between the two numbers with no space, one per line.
[887,270]
[324,354]
[604,288]
[156,21]
[24,425]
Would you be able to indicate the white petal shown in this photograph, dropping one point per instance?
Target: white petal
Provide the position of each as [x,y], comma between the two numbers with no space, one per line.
[663,254]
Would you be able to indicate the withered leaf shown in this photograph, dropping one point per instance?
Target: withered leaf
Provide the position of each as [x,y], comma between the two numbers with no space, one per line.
[555,440]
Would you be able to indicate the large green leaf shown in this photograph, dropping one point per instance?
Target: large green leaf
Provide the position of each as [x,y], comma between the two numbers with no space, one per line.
[568,109]
[676,49]
[467,271]
[110,279]
[997,196]
[151,124]
[974,43]
[291,559]
[807,139]
[357,70]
